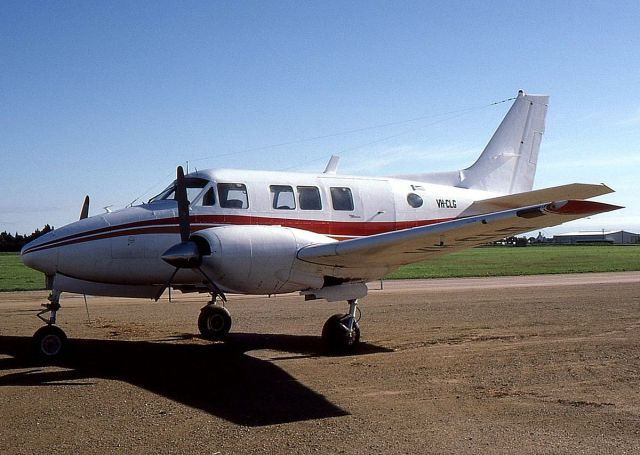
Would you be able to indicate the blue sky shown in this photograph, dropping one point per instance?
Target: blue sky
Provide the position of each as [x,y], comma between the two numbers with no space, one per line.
[107,98]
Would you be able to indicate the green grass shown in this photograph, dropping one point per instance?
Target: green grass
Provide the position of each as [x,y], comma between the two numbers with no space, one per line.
[496,261]
[15,276]
[531,260]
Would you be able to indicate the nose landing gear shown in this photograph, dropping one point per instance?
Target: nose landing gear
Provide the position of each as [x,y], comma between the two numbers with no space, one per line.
[50,341]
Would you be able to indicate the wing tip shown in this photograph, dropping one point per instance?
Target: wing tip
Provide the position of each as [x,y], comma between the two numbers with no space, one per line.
[607,189]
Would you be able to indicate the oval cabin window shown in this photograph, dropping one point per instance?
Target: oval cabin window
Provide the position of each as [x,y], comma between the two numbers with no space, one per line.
[414,200]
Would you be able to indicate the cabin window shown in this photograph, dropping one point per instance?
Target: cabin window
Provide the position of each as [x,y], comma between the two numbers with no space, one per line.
[341,198]
[282,197]
[233,196]
[309,198]
[414,200]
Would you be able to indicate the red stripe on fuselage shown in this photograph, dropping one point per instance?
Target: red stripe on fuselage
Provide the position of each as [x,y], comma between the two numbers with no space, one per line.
[337,229]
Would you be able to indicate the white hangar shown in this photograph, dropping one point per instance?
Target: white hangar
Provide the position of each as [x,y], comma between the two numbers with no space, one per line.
[611,237]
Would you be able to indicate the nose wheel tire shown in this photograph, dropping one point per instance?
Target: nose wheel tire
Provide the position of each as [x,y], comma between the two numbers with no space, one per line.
[214,322]
[49,342]
[336,334]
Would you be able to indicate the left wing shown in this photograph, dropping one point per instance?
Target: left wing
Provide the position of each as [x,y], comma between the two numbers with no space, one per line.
[396,248]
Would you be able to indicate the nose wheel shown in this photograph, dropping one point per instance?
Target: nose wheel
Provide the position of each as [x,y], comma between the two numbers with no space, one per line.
[50,341]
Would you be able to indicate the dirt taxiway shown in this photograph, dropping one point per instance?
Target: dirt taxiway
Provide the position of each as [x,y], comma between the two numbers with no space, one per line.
[546,364]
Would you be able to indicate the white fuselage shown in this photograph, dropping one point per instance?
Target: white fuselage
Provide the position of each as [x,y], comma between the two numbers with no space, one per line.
[125,246]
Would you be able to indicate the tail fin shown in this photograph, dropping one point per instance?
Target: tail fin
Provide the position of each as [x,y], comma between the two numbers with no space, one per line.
[508,163]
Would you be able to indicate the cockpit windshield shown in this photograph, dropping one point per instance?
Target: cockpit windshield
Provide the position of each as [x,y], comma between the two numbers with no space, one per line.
[194,188]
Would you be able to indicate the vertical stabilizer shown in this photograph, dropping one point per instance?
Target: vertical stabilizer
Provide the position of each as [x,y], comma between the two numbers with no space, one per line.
[508,163]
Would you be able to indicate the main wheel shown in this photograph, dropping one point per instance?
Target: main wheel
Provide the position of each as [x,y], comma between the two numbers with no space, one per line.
[214,322]
[49,342]
[336,335]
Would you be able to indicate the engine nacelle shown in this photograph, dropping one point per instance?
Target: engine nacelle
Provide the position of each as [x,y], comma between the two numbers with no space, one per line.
[258,259]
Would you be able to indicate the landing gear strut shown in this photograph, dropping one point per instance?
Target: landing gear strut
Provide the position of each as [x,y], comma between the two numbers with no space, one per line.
[50,341]
[341,332]
[214,321]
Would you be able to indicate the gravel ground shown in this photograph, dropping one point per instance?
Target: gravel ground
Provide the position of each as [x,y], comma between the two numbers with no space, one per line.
[499,365]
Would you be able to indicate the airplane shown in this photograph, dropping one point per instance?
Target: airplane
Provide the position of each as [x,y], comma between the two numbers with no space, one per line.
[324,235]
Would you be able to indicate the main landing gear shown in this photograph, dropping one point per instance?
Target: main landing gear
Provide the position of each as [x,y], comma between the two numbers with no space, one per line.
[214,321]
[341,332]
[50,341]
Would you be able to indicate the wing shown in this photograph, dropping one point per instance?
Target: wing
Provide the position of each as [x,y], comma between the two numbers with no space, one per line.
[393,249]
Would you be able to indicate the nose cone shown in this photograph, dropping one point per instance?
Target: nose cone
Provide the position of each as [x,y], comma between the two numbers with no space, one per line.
[36,256]
[183,255]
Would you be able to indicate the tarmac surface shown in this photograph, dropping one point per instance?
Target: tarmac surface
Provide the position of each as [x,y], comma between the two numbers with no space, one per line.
[545,364]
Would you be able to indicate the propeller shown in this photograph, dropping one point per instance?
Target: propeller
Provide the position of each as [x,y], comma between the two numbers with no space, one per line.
[186,254]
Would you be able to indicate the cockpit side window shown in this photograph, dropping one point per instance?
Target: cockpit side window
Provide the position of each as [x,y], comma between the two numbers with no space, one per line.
[194,189]
[233,196]
[208,198]
[282,197]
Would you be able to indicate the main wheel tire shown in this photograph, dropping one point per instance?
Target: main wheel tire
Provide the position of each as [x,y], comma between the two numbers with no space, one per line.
[49,342]
[214,322]
[336,336]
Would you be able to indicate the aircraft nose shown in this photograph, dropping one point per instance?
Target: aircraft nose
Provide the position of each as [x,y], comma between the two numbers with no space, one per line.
[36,256]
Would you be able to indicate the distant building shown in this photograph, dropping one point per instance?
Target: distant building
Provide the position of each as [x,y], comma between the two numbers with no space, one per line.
[611,237]
[540,239]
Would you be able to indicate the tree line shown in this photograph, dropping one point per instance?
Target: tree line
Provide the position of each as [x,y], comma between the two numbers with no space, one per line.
[9,242]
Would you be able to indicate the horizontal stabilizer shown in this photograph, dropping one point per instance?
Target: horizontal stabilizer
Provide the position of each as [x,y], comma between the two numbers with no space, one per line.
[543,196]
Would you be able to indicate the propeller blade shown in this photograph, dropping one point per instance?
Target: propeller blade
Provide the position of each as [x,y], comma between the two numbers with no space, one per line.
[166,285]
[213,285]
[84,213]
[186,253]
[183,205]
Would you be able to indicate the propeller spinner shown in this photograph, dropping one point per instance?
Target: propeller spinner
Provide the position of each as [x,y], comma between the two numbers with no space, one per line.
[186,254]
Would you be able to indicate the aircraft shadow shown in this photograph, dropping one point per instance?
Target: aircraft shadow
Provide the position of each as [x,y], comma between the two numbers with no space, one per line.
[219,378]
